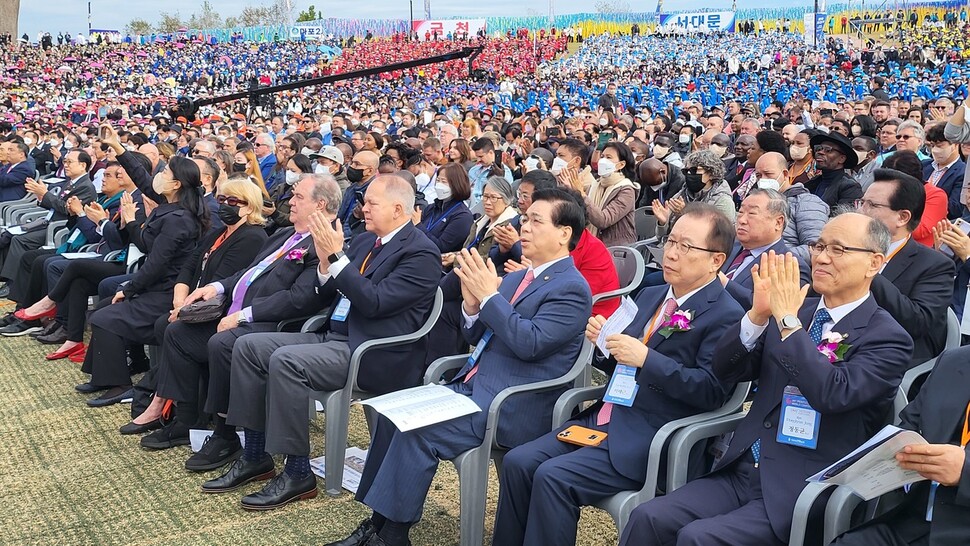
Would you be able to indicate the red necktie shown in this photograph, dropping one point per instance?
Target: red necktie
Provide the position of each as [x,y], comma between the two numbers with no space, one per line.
[736,264]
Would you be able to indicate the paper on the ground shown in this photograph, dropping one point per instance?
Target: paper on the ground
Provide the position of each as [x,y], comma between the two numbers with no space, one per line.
[80,255]
[421,406]
[618,321]
[872,469]
[197,438]
[353,468]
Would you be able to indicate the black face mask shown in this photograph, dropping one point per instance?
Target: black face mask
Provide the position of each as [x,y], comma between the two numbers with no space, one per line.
[694,182]
[238,167]
[354,175]
[229,215]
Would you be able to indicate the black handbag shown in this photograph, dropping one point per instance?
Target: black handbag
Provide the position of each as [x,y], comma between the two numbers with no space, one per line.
[203,310]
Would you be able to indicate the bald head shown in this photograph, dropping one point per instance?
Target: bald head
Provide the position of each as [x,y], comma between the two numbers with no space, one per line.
[388,204]
[772,165]
[652,172]
[151,152]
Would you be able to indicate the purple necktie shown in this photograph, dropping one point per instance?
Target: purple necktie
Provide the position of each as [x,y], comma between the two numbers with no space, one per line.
[239,291]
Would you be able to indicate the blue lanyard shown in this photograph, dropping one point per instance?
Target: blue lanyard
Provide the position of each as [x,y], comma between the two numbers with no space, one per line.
[432,223]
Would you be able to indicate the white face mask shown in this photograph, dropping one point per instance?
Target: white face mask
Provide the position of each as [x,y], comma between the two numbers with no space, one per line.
[152,129]
[768,184]
[531,163]
[321,169]
[55,143]
[717,149]
[862,156]
[306,151]
[660,151]
[421,180]
[683,139]
[605,167]
[159,183]
[443,191]
[29,141]
[206,131]
[558,165]
[604,121]
[325,128]
[292,177]
[798,153]
[68,145]
[856,130]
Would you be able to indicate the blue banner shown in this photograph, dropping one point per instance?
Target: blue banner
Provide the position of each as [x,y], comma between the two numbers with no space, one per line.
[698,21]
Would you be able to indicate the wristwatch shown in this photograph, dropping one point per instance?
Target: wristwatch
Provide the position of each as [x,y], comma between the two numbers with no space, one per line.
[790,322]
[335,256]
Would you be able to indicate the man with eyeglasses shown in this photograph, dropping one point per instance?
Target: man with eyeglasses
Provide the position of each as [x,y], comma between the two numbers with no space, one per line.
[915,284]
[827,372]
[265,150]
[887,136]
[544,483]
[909,136]
[833,157]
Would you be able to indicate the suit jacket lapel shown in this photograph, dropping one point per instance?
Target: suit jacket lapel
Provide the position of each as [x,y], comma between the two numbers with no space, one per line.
[389,249]
[697,304]
[304,243]
[901,261]
[857,319]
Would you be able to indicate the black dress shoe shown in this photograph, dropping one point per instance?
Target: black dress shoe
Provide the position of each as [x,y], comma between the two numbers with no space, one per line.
[134,428]
[88,388]
[58,336]
[20,328]
[112,396]
[171,435]
[281,491]
[216,452]
[240,473]
[376,540]
[51,327]
[359,536]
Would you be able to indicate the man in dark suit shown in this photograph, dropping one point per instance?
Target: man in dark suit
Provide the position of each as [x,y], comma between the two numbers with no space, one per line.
[833,156]
[17,168]
[12,247]
[760,224]
[386,285]
[945,170]
[821,392]
[278,284]
[527,327]
[916,284]
[544,483]
[941,414]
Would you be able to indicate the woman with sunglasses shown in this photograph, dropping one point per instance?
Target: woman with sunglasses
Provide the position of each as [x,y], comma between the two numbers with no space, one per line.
[167,238]
[219,255]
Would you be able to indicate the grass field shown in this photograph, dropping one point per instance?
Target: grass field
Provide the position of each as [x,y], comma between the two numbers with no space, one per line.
[69,478]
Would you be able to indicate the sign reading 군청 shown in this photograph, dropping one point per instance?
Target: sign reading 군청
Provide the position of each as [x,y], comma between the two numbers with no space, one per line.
[441,29]
[697,22]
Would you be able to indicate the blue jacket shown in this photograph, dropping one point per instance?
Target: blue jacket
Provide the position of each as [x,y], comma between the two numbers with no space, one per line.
[952,183]
[447,224]
[12,178]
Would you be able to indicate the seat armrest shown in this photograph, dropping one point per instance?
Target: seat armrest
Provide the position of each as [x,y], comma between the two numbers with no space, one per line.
[437,368]
[573,398]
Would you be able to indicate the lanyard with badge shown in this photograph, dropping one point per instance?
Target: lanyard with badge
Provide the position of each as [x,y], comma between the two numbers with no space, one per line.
[622,388]
[343,306]
[432,222]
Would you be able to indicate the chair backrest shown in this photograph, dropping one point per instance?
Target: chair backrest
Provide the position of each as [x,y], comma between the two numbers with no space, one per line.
[646,223]
[630,268]
[395,340]
[952,330]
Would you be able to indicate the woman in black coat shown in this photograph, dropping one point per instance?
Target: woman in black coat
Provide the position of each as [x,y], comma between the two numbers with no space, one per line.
[447,221]
[168,238]
[220,254]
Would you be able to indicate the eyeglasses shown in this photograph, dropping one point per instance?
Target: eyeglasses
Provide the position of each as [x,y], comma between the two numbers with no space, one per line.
[825,149]
[835,251]
[867,204]
[491,198]
[682,247]
[904,137]
[231,201]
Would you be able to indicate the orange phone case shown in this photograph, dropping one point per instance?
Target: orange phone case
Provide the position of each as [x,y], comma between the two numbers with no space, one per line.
[581,436]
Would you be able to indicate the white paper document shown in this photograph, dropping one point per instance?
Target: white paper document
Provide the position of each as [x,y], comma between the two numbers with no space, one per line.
[15,230]
[353,468]
[618,321]
[421,406]
[80,255]
[872,469]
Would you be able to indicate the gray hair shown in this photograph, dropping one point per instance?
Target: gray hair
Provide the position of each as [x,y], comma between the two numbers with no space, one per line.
[502,186]
[777,203]
[878,236]
[325,188]
[399,190]
[206,145]
[708,161]
[916,127]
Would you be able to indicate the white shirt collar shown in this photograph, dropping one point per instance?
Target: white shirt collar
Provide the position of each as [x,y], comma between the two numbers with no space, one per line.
[756,252]
[387,238]
[536,271]
[683,299]
[839,313]
[937,166]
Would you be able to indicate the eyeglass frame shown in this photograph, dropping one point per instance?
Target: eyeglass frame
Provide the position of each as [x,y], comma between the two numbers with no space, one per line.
[231,200]
[682,245]
[860,203]
[815,251]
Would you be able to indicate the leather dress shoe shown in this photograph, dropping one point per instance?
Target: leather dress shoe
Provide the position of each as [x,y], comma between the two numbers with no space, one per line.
[113,396]
[359,536]
[282,490]
[88,388]
[57,355]
[135,428]
[58,336]
[376,540]
[171,435]
[51,327]
[240,473]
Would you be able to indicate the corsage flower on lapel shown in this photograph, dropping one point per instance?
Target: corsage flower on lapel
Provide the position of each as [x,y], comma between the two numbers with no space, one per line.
[296,255]
[678,322]
[832,346]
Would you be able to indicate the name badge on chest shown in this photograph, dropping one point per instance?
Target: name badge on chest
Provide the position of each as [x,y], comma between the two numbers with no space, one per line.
[342,310]
[480,348]
[799,421]
[623,387]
